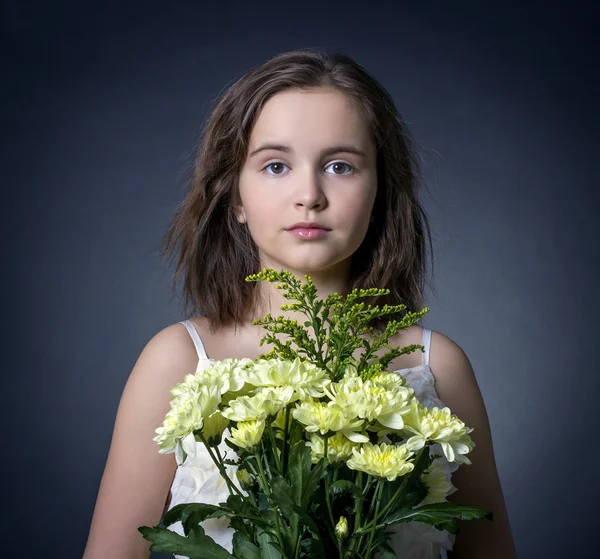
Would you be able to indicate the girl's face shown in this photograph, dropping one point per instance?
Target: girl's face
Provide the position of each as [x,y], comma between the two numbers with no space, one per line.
[308,184]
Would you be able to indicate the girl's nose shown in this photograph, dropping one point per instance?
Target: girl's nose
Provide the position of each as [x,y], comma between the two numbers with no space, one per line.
[309,193]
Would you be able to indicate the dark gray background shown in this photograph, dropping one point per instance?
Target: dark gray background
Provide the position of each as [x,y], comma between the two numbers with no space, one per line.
[101,106]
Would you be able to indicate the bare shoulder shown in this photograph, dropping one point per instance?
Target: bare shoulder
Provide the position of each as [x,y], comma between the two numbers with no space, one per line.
[446,358]
[172,351]
[407,336]
[478,484]
[455,379]
[135,484]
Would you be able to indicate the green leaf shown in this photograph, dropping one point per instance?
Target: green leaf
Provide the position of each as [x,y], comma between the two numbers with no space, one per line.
[314,548]
[303,476]
[312,482]
[269,547]
[443,516]
[379,541]
[196,546]
[345,486]
[243,548]
[239,505]
[299,467]
[387,555]
[289,519]
[282,496]
[201,511]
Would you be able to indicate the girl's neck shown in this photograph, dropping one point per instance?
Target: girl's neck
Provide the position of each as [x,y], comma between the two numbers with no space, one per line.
[336,281]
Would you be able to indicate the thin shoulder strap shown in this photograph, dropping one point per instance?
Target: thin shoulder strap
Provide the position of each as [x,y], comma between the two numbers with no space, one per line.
[196,338]
[426,344]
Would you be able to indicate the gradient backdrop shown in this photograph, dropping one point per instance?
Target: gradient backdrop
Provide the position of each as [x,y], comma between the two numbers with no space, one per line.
[102,103]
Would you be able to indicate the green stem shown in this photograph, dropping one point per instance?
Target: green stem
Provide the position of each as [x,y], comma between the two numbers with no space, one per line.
[367,488]
[231,486]
[374,500]
[274,447]
[218,453]
[378,492]
[284,457]
[266,459]
[267,491]
[328,499]
[365,492]
[327,496]
[358,508]
[262,475]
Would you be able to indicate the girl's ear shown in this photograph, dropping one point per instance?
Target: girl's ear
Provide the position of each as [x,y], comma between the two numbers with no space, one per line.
[240,214]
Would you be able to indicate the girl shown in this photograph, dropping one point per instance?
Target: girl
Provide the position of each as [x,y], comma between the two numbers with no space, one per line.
[304,165]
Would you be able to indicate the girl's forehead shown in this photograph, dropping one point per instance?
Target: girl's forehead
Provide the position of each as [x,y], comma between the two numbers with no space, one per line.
[321,115]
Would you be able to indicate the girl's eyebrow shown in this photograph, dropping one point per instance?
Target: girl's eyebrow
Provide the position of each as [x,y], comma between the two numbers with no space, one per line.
[341,148]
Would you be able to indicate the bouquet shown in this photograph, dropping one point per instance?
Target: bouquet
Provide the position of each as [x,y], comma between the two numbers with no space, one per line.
[331,449]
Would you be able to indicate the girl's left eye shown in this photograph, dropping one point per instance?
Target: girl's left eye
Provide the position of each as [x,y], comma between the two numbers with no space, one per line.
[272,165]
[340,164]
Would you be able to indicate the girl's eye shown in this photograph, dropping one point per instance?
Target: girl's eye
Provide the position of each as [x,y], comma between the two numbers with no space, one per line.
[338,165]
[273,165]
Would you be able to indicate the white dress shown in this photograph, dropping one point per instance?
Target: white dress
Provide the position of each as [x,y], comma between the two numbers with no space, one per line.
[198,480]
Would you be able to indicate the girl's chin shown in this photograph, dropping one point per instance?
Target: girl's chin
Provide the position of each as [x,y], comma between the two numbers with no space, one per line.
[306,266]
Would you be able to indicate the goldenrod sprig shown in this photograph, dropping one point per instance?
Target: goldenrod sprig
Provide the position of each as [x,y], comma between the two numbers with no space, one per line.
[341,325]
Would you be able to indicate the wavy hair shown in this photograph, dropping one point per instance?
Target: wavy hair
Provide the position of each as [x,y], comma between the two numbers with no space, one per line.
[214,252]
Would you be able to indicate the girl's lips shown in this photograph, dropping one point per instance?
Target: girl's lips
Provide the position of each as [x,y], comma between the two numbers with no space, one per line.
[308,232]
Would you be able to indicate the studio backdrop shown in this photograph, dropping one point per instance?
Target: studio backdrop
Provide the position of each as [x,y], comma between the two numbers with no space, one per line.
[101,110]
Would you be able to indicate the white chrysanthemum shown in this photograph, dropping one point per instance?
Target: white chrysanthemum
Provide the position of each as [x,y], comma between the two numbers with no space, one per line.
[258,405]
[228,374]
[440,426]
[306,379]
[188,387]
[371,401]
[435,479]
[383,460]
[187,413]
[339,447]
[247,434]
[176,425]
[321,417]
[391,381]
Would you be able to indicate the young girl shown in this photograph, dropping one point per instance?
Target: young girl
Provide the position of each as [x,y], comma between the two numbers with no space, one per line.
[304,165]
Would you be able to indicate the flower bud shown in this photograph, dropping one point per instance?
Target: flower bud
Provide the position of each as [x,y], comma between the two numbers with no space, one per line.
[341,530]
[244,478]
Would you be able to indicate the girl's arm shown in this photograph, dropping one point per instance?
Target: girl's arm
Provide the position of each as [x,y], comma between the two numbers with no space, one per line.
[477,483]
[137,479]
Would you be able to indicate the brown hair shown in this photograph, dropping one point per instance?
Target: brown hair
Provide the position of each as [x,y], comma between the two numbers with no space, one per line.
[214,252]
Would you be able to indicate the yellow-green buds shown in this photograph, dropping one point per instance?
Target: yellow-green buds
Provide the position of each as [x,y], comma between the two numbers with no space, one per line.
[341,529]
[244,478]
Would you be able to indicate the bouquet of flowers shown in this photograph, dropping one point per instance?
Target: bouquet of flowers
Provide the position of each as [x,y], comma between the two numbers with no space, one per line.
[330,448]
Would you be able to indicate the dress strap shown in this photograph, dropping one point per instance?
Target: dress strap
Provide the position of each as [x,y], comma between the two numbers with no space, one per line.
[195,338]
[426,343]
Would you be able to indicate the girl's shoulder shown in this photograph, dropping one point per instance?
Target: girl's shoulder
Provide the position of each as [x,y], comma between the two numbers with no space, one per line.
[409,336]
[173,352]
[444,356]
[234,342]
